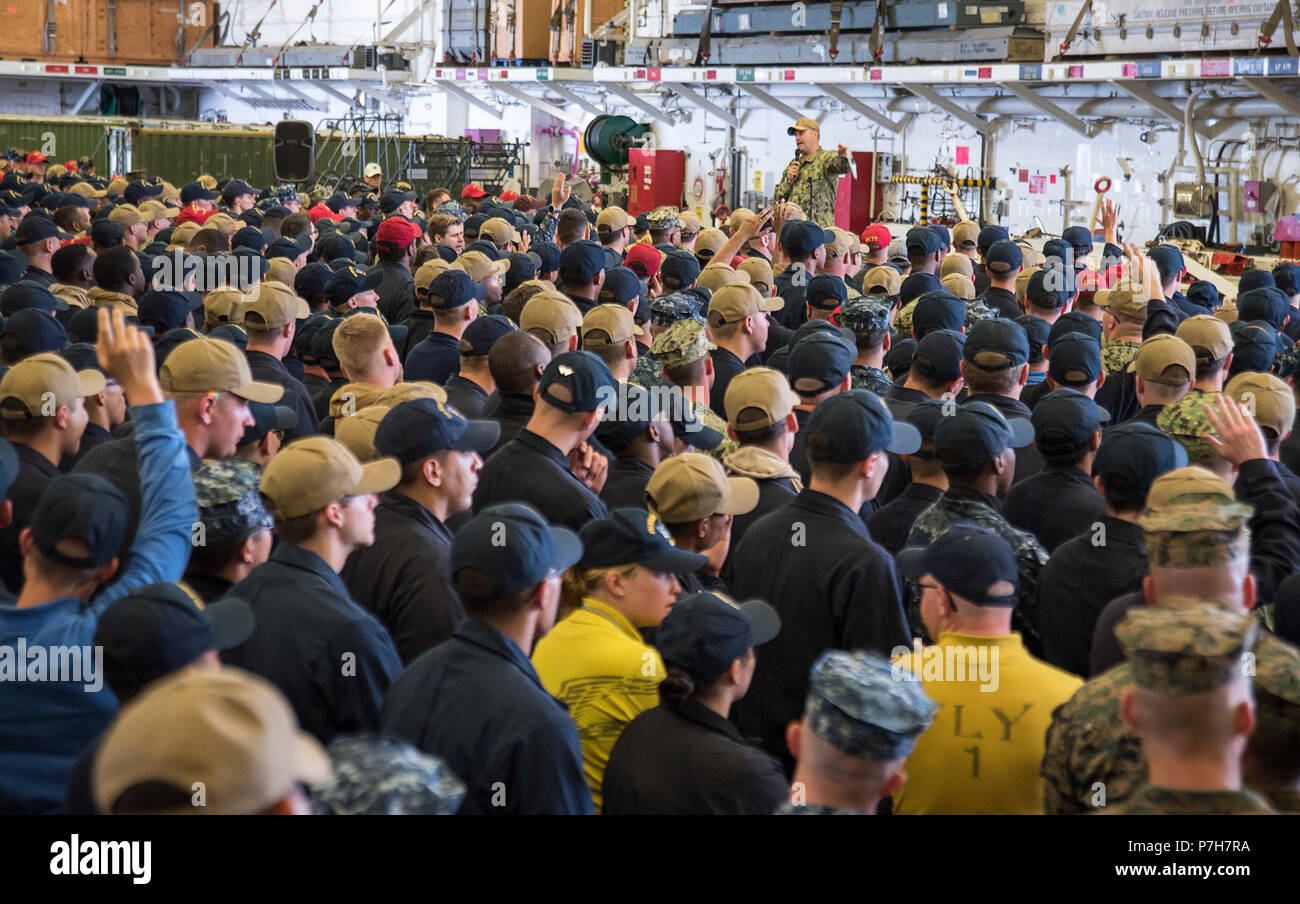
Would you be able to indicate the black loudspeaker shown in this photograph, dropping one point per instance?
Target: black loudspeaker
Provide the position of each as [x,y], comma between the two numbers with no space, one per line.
[294,149]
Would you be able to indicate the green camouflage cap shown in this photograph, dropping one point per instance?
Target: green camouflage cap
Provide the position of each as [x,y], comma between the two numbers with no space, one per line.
[228,496]
[1192,519]
[381,776]
[903,319]
[865,313]
[666,217]
[1178,650]
[1277,691]
[865,707]
[1185,421]
[685,342]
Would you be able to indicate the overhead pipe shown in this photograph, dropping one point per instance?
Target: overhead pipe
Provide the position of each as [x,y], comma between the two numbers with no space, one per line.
[1191,135]
[555,132]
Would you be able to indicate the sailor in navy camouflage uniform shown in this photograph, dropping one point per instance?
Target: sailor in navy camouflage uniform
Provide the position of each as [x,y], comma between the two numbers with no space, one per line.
[381,776]
[665,310]
[867,314]
[858,706]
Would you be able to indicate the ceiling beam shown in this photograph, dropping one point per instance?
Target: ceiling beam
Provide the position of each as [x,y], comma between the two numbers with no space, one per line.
[704,103]
[84,97]
[1287,101]
[866,110]
[469,97]
[1069,120]
[1166,108]
[574,97]
[768,100]
[537,103]
[403,26]
[630,97]
[952,107]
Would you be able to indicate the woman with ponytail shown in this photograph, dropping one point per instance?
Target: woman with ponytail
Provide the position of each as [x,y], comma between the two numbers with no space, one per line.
[594,660]
[683,757]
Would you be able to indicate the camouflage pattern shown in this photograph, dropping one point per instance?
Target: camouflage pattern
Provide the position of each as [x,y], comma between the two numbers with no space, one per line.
[1277,693]
[903,320]
[1186,422]
[864,313]
[1117,355]
[666,310]
[685,342]
[453,209]
[815,187]
[873,378]
[1089,745]
[1287,361]
[1152,801]
[1179,649]
[709,418]
[789,809]
[665,217]
[1193,549]
[859,704]
[384,776]
[1192,499]
[648,372]
[976,311]
[228,496]
[948,512]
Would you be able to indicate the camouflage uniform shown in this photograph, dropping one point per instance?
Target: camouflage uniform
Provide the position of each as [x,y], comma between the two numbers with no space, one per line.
[1117,355]
[1176,650]
[665,310]
[903,320]
[873,378]
[973,509]
[815,187]
[1186,422]
[1277,710]
[789,809]
[1288,360]
[857,705]
[649,372]
[686,342]
[228,496]
[384,776]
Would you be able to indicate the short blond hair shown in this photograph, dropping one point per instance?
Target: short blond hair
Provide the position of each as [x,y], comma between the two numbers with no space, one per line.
[358,341]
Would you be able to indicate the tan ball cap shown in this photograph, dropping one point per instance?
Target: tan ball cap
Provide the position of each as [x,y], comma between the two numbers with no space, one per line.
[310,473]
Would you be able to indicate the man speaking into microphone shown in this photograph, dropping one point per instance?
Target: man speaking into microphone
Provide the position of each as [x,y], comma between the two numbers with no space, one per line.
[810,179]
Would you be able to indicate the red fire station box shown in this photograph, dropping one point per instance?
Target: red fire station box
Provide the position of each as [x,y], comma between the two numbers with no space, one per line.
[654,179]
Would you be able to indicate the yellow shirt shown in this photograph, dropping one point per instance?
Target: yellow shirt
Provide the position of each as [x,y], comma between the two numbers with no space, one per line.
[983,751]
[596,663]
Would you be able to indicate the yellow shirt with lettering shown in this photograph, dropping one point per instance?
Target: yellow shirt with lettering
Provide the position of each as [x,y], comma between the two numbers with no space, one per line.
[983,751]
[596,663]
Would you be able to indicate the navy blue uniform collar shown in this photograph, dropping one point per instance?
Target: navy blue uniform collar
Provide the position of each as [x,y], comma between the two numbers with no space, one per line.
[531,440]
[296,557]
[695,711]
[407,507]
[485,637]
[822,504]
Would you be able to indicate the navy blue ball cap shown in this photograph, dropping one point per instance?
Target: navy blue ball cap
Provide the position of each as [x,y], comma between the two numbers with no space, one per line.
[1080,239]
[310,282]
[938,356]
[938,310]
[989,235]
[922,240]
[820,360]
[925,417]
[1168,260]
[248,237]
[583,259]
[1286,276]
[414,430]
[37,229]
[622,285]
[578,382]
[826,291]
[1059,254]
[1072,322]
[802,238]
[996,343]
[452,289]
[158,629]
[915,285]
[350,280]
[1050,288]
[194,191]
[681,266]
[483,332]
[633,536]
[83,507]
[523,267]
[1255,345]
[105,233]
[1132,455]
[509,548]
[638,410]
[234,188]
[1206,294]
[1003,257]
[1255,279]
[704,633]
[1267,303]
[485,248]
[966,561]
[976,433]
[35,331]
[549,252]
[167,309]
[1065,419]
[1075,360]
[851,426]
[1037,330]
[138,191]
[267,417]
[26,295]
